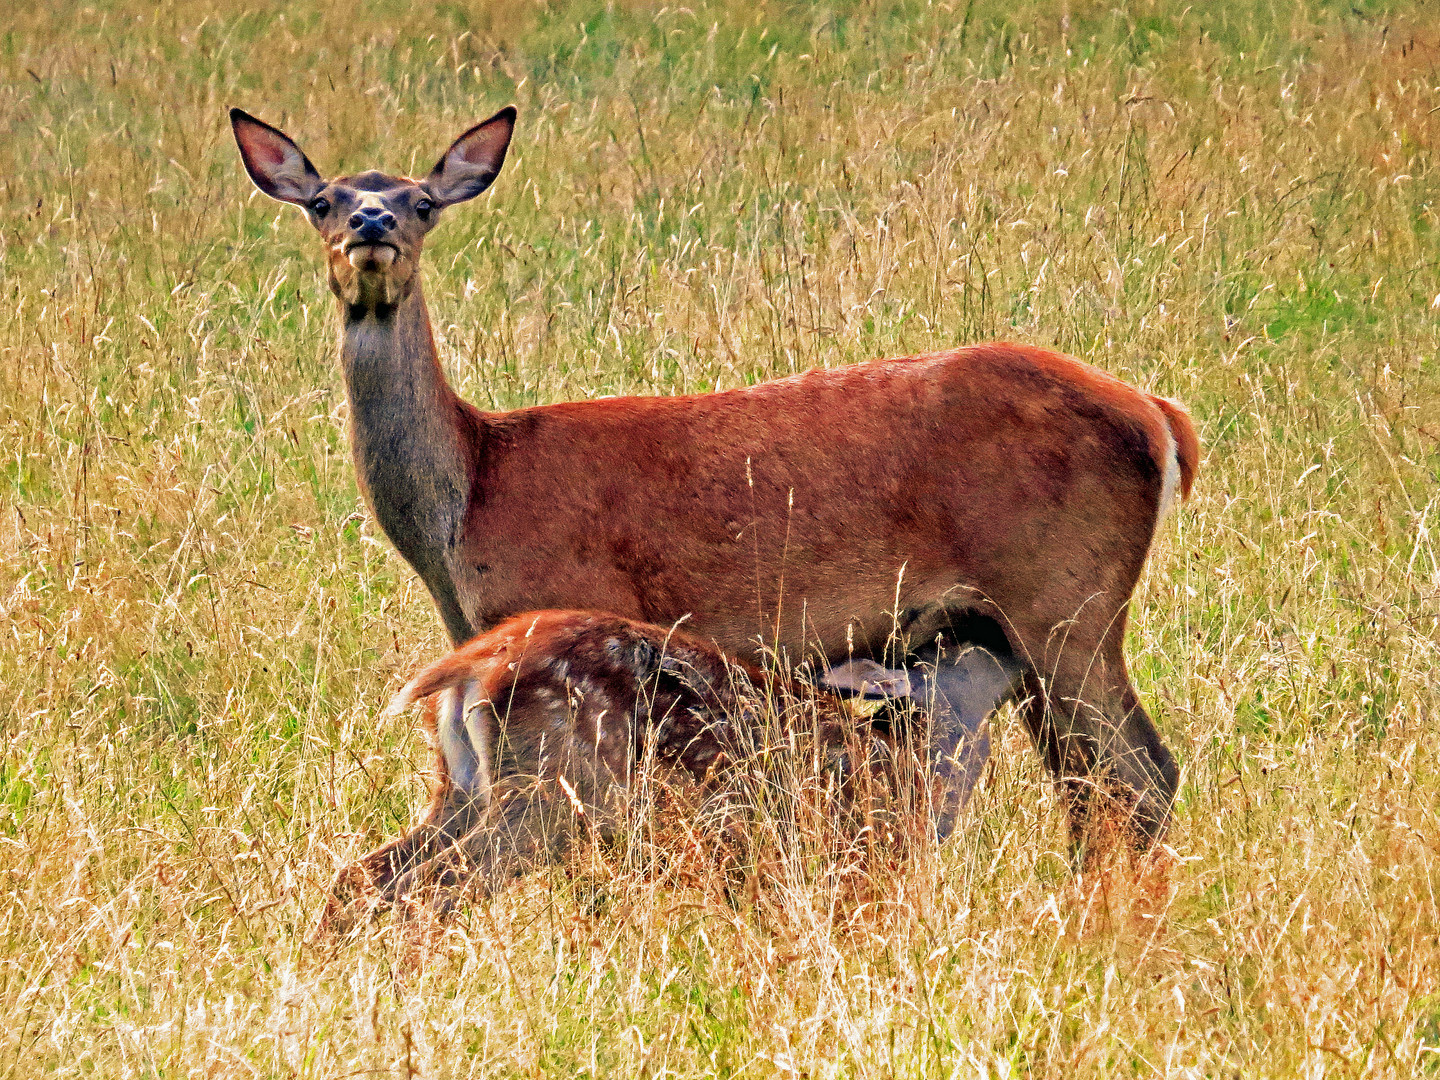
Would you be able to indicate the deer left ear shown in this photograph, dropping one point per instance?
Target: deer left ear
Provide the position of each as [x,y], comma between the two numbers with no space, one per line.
[273,161]
[867,679]
[473,160]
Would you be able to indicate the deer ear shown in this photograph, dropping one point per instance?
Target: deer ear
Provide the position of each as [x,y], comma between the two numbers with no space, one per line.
[867,679]
[273,161]
[473,160]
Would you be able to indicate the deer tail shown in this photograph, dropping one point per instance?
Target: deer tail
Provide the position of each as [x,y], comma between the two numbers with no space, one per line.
[460,667]
[1182,460]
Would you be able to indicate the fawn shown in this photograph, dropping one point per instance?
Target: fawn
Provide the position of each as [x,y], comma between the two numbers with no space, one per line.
[558,712]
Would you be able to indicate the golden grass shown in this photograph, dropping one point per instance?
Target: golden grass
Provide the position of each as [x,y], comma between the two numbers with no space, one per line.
[1233,203]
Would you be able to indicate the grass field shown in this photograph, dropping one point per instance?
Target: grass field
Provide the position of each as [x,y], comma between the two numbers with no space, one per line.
[1233,203]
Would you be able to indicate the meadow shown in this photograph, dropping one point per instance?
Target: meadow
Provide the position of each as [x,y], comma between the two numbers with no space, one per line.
[1233,203]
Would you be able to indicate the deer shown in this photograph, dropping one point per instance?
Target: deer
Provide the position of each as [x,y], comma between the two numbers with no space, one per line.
[562,712]
[1001,495]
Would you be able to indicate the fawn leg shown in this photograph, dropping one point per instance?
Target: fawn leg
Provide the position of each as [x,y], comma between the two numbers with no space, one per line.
[528,824]
[366,886]
[459,801]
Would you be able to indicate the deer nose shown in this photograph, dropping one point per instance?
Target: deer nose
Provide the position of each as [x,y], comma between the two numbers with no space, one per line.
[371,222]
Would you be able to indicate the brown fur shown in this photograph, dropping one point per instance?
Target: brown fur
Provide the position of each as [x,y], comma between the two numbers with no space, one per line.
[821,512]
[574,706]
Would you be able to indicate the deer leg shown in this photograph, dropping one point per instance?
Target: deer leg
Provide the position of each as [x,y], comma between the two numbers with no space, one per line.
[959,692]
[530,823]
[365,887]
[1098,741]
[965,691]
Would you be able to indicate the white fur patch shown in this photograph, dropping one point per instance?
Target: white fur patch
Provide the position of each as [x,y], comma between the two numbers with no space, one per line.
[1170,486]
[477,713]
[371,256]
[460,759]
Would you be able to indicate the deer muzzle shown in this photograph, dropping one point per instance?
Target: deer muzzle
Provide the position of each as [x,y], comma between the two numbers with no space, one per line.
[368,256]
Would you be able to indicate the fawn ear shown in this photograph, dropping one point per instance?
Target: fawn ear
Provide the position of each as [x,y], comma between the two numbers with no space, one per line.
[867,679]
[473,160]
[273,160]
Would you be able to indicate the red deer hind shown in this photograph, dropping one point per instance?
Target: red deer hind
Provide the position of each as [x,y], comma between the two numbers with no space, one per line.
[998,494]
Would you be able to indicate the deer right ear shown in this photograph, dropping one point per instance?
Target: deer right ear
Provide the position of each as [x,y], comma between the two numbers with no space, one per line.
[273,161]
[473,160]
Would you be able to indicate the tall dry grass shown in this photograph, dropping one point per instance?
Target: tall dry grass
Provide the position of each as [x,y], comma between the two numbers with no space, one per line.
[1234,203]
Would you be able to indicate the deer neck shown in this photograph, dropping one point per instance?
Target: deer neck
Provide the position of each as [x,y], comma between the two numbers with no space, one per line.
[407,438]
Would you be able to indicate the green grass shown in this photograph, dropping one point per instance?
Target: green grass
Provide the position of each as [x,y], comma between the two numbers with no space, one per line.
[1233,203]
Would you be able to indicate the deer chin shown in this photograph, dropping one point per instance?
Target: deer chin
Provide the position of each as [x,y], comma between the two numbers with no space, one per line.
[370,276]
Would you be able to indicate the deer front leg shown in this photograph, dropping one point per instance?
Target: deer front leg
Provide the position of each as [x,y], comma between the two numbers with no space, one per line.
[959,694]
[963,694]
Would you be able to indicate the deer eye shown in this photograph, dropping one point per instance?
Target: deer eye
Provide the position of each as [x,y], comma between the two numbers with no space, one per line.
[424,208]
[319,207]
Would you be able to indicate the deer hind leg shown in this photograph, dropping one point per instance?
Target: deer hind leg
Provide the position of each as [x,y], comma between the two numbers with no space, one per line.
[1097,739]
[362,889]
[530,823]
[536,810]
[365,887]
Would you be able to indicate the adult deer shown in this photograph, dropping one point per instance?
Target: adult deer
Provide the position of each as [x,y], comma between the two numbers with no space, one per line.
[564,711]
[1000,494]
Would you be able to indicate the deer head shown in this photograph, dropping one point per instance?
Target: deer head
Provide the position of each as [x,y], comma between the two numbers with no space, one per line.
[373,224]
